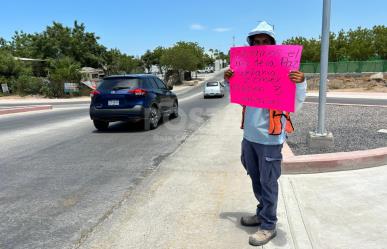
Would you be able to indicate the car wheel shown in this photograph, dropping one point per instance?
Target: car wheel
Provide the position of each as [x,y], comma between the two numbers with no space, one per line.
[154,117]
[101,125]
[175,110]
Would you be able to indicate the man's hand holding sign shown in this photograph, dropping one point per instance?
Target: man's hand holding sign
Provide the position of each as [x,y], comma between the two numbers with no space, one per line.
[264,76]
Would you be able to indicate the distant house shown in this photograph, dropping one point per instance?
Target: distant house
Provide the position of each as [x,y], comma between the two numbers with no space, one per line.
[91,76]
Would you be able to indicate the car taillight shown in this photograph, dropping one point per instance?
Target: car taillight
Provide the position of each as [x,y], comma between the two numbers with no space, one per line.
[94,93]
[138,92]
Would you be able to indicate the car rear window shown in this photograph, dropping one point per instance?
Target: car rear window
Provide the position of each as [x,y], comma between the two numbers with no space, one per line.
[119,83]
[212,84]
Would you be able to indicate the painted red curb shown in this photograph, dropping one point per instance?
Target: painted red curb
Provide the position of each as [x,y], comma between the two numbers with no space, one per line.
[18,109]
[318,163]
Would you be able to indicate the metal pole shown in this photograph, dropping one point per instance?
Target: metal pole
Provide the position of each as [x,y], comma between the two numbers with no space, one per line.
[323,66]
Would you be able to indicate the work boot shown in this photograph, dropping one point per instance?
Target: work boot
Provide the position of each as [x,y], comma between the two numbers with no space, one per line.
[261,237]
[251,221]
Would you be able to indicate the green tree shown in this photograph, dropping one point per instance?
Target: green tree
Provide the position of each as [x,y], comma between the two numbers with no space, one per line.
[380,41]
[157,54]
[27,84]
[85,47]
[153,58]
[119,63]
[9,67]
[182,56]
[358,44]
[4,46]
[361,47]
[62,70]
[148,60]
[311,48]
[23,44]
[341,45]
[58,41]
[208,60]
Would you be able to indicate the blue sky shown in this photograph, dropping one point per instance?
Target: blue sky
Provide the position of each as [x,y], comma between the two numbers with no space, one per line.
[135,26]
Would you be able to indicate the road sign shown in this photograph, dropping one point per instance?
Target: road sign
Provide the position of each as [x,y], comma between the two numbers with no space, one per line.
[71,87]
[4,87]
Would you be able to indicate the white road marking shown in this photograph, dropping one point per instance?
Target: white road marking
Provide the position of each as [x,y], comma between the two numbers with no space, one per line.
[383,131]
[40,130]
[54,109]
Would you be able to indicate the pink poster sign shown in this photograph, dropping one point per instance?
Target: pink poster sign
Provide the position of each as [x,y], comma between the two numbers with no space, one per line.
[261,78]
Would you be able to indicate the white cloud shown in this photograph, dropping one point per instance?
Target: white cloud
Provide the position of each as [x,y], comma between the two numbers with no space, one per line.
[221,29]
[197,26]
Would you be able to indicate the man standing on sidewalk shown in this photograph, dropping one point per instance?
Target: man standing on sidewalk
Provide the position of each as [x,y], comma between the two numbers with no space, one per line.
[262,146]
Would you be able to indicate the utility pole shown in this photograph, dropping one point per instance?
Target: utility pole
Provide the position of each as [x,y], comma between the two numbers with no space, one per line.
[321,138]
[233,41]
[324,66]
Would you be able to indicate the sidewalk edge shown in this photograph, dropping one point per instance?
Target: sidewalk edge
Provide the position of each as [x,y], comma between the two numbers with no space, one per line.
[297,226]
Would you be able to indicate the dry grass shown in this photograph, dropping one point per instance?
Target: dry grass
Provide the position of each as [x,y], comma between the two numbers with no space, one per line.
[350,83]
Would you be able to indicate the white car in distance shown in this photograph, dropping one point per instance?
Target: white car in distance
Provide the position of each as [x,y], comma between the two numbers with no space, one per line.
[213,89]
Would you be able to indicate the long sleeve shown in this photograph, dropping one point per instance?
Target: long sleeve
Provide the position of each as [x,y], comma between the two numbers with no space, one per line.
[300,95]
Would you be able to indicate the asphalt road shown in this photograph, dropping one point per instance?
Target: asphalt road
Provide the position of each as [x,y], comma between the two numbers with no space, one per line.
[313,99]
[59,177]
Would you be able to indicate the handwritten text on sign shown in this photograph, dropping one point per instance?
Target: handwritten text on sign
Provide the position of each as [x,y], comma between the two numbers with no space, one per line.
[261,76]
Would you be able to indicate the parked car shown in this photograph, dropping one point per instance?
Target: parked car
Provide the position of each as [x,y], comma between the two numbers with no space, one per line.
[206,70]
[135,97]
[213,88]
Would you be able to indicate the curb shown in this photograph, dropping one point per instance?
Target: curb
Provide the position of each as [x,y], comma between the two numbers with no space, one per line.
[330,162]
[18,109]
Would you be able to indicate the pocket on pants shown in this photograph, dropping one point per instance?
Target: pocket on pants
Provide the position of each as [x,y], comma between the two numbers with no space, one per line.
[273,168]
[243,161]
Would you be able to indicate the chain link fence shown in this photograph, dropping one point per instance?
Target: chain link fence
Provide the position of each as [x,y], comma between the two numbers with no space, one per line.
[347,67]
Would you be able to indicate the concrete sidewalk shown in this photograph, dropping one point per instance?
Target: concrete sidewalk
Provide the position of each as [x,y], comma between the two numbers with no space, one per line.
[198,194]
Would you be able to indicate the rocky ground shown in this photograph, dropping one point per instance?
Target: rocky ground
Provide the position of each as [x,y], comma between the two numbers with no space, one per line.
[351,82]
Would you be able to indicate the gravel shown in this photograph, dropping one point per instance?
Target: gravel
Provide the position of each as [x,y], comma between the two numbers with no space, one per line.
[353,127]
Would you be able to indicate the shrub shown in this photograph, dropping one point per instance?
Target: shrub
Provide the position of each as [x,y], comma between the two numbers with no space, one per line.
[28,85]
